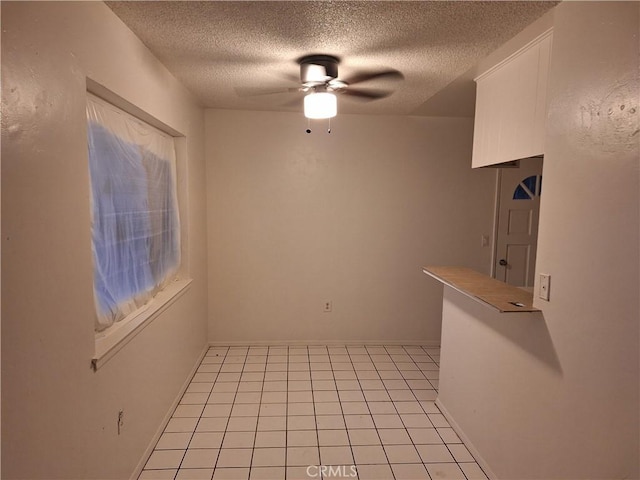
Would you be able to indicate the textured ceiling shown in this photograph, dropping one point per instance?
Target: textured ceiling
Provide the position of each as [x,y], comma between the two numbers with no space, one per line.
[218,48]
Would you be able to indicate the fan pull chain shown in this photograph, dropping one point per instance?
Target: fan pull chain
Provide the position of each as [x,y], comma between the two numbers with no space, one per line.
[308,130]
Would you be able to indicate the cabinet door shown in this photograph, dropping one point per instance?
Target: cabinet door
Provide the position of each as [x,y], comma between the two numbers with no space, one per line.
[519,80]
[540,122]
[486,134]
[511,107]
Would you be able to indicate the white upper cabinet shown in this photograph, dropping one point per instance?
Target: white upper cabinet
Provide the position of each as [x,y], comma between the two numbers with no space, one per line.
[511,106]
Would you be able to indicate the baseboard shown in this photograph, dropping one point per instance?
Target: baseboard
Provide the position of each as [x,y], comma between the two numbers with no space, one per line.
[472,449]
[329,343]
[138,470]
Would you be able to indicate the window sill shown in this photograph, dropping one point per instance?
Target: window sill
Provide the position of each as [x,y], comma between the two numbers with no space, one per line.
[108,343]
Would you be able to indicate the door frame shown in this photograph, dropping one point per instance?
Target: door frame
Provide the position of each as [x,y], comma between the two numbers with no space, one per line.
[496,210]
[496,216]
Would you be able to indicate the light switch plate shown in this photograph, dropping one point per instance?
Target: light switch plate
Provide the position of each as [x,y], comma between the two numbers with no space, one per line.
[544,286]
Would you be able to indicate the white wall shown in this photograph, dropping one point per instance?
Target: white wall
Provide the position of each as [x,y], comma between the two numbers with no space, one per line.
[557,397]
[296,219]
[59,418]
[589,234]
[499,384]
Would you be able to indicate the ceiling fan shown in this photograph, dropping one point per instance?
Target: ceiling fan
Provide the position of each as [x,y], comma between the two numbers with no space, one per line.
[320,83]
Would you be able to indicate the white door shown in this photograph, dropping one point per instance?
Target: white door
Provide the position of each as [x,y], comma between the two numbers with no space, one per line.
[517,229]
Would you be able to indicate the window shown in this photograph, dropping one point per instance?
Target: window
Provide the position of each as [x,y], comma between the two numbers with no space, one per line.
[134,212]
[528,188]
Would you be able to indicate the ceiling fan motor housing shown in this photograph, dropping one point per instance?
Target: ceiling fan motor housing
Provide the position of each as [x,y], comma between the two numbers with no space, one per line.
[318,69]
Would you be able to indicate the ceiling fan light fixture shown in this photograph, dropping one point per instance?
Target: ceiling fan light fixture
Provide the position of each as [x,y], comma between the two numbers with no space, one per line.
[320,105]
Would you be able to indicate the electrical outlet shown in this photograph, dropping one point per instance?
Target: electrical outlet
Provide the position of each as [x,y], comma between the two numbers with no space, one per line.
[328,306]
[545,286]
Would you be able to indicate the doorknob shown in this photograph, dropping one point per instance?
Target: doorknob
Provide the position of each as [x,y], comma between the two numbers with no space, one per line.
[503,262]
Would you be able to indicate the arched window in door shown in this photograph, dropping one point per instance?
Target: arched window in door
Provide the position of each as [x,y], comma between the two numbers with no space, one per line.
[528,188]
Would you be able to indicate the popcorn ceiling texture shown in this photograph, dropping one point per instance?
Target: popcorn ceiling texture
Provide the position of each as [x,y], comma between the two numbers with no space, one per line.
[213,47]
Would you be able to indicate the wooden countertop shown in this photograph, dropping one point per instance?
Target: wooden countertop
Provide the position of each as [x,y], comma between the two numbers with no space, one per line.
[487,290]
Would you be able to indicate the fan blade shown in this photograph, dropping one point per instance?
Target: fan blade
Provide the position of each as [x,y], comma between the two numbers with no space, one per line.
[291,77]
[389,74]
[366,94]
[255,91]
[296,102]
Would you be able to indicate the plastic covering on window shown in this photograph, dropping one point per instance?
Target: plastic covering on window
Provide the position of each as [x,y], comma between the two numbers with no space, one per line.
[134,222]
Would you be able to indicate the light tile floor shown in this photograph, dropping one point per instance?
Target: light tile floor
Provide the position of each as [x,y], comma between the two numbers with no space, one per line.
[312,412]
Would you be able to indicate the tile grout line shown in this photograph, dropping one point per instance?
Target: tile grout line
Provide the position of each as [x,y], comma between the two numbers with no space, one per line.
[210,393]
[434,427]
[255,433]
[439,434]
[393,402]
[313,402]
[235,396]
[200,417]
[371,413]
[416,360]
[344,418]
[286,420]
